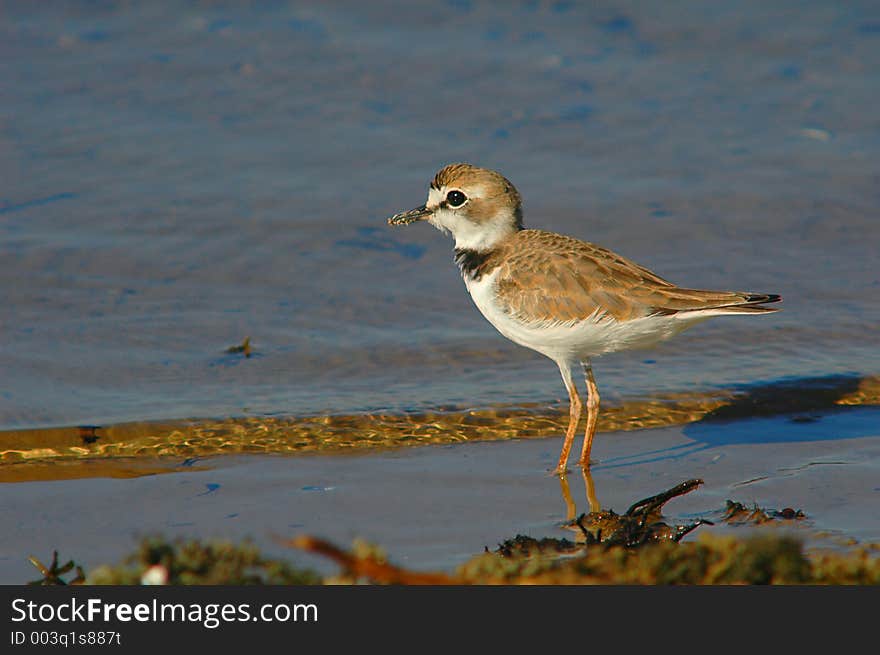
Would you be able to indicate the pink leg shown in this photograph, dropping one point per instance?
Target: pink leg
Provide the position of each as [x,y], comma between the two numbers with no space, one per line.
[592,414]
[574,415]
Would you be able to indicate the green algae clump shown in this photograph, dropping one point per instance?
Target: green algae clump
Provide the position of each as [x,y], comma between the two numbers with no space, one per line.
[197,562]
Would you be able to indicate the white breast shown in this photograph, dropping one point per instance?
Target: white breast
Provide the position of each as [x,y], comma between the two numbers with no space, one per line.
[578,340]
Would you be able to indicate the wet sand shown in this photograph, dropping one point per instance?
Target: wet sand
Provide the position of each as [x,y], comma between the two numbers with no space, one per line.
[433,507]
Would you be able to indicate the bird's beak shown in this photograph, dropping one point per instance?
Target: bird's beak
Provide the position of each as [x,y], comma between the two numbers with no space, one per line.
[404,218]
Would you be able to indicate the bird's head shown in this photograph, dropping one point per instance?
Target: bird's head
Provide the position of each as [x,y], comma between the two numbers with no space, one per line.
[478,206]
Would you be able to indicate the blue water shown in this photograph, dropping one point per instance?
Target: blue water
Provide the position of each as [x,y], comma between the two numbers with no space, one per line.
[175,179]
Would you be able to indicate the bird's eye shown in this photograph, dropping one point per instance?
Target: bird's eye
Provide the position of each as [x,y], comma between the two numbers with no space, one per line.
[455,198]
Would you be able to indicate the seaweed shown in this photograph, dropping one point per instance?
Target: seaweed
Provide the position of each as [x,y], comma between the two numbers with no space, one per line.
[194,562]
[52,574]
[736,513]
[641,524]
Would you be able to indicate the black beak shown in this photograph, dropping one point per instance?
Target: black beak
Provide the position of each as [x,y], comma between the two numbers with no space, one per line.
[404,218]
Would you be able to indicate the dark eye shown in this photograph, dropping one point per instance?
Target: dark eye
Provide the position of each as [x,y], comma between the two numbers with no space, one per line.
[455,198]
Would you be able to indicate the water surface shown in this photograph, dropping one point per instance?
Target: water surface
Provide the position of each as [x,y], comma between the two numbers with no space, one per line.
[173,179]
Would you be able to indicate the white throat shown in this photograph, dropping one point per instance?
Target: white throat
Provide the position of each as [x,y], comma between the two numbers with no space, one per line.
[482,237]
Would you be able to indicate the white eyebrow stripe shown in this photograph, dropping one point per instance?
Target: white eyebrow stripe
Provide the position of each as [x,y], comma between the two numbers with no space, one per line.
[435,197]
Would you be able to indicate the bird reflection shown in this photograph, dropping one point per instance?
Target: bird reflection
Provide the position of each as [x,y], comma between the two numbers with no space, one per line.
[589,490]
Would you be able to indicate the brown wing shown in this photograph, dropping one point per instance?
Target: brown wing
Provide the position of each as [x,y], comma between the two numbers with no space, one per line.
[550,277]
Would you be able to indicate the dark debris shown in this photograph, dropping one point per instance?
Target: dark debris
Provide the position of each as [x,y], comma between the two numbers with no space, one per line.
[52,574]
[737,513]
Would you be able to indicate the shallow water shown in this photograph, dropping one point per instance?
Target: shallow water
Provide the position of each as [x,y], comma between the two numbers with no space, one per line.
[174,180]
[436,507]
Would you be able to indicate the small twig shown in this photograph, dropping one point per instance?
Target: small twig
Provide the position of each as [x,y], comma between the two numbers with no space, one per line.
[688,528]
[367,567]
[648,505]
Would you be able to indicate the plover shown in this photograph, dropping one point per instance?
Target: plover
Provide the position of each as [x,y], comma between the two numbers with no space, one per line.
[565,298]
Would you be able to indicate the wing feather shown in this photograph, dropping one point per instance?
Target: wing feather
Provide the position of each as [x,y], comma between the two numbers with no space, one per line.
[546,277]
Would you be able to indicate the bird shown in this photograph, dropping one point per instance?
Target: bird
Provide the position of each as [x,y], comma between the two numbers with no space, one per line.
[565,298]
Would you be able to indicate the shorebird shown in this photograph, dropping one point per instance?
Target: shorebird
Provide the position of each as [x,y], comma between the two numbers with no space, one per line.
[565,298]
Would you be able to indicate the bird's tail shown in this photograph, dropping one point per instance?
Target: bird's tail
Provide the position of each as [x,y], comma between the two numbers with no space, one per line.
[753,304]
[693,303]
[745,303]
